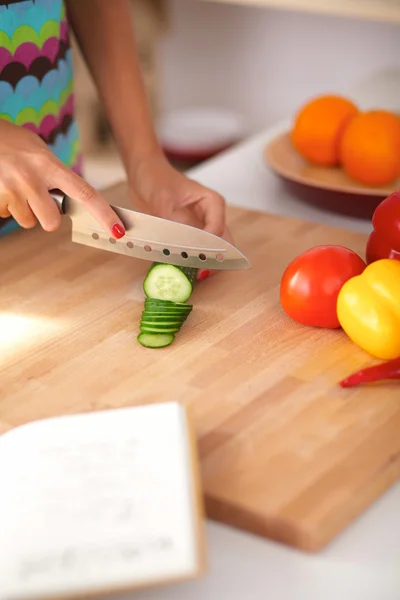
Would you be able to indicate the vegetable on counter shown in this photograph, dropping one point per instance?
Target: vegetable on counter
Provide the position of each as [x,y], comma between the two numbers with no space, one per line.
[384,241]
[368,309]
[167,289]
[381,372]
[311,283]
[169,282]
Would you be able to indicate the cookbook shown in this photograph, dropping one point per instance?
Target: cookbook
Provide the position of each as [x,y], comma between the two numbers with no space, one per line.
[99,503]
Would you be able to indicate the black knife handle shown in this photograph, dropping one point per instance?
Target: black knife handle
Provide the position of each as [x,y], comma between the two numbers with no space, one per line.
[59,198]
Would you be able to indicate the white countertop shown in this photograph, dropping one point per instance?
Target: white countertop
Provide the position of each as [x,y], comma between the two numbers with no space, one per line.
[363,563]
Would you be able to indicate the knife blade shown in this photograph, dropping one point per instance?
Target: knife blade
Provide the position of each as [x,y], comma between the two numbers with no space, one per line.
[152,238]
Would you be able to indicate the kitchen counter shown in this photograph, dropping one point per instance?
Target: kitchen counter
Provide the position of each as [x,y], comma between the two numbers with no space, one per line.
[360,564]
[376,10]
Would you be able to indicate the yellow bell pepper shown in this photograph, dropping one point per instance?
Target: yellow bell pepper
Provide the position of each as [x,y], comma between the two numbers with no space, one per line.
[368,309]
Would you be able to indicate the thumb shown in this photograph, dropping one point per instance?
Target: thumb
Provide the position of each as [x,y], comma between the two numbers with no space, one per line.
[77,188]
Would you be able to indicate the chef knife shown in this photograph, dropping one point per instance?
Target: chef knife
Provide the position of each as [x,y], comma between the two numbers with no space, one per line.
[152,238]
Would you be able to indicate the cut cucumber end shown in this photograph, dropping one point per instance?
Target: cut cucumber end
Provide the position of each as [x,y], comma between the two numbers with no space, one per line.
[169,282]
[155,340]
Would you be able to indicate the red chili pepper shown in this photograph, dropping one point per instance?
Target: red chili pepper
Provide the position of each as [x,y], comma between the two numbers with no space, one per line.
[384,241]
[386,370]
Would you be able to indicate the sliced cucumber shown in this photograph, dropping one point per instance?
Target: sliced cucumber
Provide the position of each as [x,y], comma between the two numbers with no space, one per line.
[169,282]
[162,319]
[158,325]
[156,310]
[166,302]
[155,340]
[151,329]
[168,305]
[167,289]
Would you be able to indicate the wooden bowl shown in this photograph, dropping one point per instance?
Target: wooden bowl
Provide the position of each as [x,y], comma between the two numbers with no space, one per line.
[328,188]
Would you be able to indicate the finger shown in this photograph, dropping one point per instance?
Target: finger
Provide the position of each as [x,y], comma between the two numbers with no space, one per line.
[213,207]
[22,213]
[45,209]
[77,188]
[6,197]
[4,212]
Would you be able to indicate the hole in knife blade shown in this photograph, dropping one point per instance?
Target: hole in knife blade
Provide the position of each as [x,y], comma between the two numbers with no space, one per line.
[129,244]
[95,236]
[166,252]
[147,248]
[112,241]
[184,254]
[220,257]
[202,257]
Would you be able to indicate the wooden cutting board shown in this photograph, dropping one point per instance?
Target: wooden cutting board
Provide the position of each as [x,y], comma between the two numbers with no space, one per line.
[286,453]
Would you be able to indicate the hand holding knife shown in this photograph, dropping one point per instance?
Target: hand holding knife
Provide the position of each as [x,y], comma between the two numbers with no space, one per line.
[152,238]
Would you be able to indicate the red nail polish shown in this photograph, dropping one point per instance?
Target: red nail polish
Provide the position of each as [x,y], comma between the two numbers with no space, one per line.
[204,274]
[118,231]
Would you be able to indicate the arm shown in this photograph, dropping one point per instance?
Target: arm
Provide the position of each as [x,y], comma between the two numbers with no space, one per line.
[105,33]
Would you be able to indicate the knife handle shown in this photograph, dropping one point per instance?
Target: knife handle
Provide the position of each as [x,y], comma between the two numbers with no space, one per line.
[59,198]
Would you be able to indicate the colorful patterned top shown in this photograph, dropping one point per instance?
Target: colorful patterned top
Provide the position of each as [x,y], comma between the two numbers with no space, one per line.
[36,74]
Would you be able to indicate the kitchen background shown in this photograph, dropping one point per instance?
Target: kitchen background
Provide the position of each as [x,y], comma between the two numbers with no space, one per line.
[250,65]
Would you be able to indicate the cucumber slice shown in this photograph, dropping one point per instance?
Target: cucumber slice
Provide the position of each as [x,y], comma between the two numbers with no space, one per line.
[163,318]
[151,329]
[155,310]
[169,306]
[168,325]
[166,302]
[155,340]
[169,282]
[166,311]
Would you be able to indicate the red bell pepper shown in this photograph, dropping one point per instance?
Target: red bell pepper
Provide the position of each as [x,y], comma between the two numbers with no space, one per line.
[386,370]
[384,241]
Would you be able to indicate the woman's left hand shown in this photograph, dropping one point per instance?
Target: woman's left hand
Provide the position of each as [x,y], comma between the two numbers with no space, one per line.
[159,189]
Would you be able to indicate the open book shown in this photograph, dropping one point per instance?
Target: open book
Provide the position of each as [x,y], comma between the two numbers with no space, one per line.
[99,503]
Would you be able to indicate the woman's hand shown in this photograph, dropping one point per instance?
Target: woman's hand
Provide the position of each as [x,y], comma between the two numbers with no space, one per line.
[28,170]
[158,188]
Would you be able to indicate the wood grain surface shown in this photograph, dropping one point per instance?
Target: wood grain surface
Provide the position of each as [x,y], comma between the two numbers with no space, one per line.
[285,452]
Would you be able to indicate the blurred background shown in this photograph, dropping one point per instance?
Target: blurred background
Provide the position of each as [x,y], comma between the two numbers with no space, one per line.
[219,71]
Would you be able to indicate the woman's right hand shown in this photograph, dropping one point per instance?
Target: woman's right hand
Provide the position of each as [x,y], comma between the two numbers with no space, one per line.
[28,170]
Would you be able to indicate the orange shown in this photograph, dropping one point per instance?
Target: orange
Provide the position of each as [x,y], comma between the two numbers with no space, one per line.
[318,128]
[370,148]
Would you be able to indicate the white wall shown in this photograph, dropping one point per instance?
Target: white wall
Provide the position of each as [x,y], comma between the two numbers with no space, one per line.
[265,63]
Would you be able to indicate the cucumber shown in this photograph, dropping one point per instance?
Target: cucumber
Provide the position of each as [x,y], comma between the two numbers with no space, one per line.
[151,329]
[155,340]
[169,325]
[164,304]
[163,319]
[169,282]
[167,306]
[183,314]
[167,289]
[166,310]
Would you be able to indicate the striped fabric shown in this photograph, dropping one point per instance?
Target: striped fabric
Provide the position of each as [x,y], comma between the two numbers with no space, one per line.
[36,75]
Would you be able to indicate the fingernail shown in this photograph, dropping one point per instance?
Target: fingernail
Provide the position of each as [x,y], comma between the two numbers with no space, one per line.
[204,274]
[118,231]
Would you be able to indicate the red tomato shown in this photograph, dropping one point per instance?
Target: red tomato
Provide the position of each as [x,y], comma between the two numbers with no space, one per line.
[311,283]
